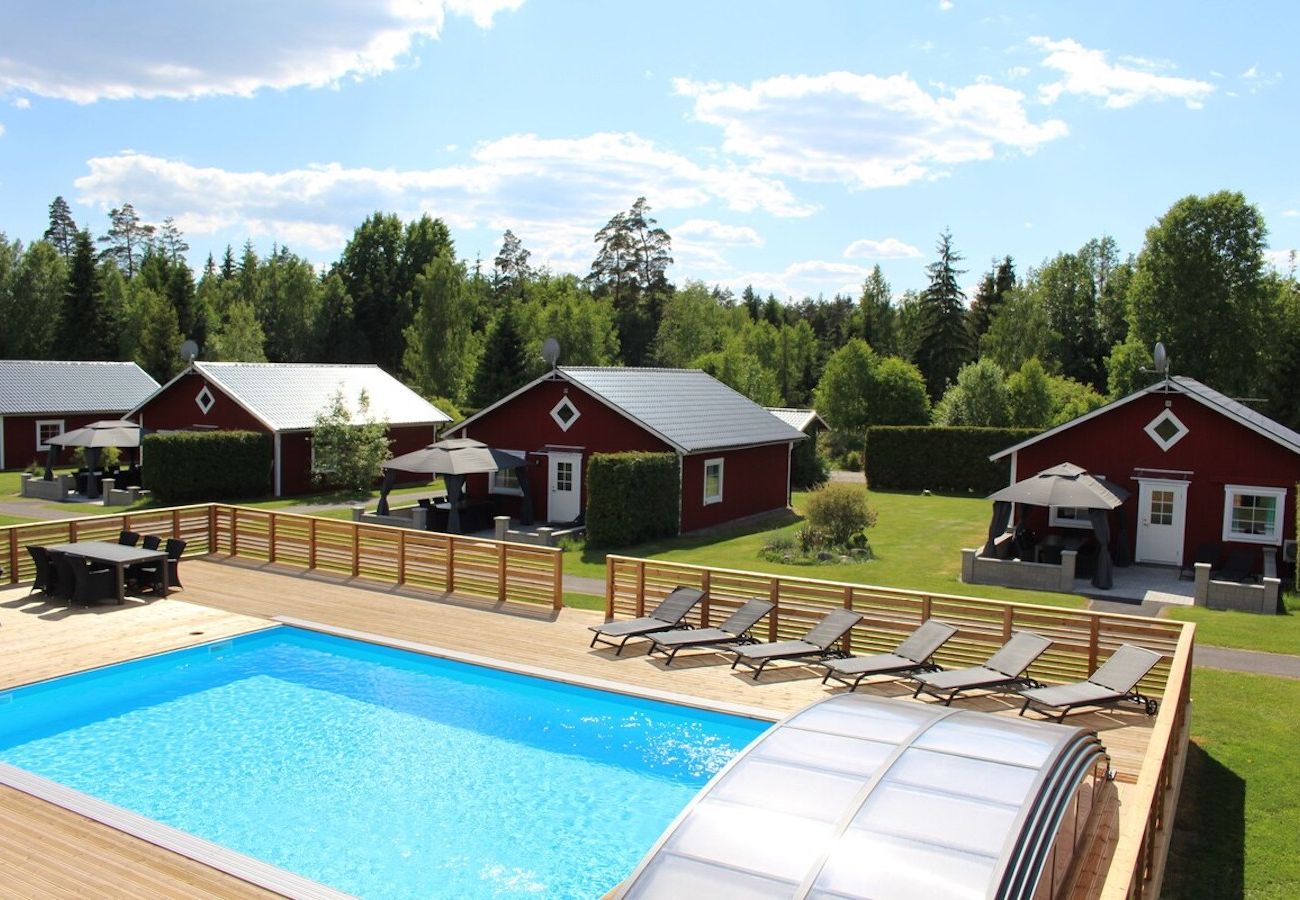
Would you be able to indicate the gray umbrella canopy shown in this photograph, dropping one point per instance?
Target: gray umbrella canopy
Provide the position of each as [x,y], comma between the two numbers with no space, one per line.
[455,456]
[1064,485]
[108,433]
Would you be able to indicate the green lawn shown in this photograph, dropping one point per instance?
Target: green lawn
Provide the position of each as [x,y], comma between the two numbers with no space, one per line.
[1235,834]
[1247,631]
[917,543]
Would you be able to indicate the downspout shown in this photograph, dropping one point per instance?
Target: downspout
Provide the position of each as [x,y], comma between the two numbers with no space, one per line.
[681,493]
[2,442]
[789,463]
[277,464]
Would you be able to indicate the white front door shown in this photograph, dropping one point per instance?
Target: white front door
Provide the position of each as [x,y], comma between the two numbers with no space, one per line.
[1162,513]
[564,502]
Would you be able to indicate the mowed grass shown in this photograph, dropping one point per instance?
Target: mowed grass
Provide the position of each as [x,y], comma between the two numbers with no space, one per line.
[917,542]
[1235,834]
[1246,631]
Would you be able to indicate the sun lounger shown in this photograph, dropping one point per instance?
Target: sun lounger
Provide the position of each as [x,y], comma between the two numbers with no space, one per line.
[1114,682]
[815,645]
[909,657]
[733,630]
[1003,669]
[665,617]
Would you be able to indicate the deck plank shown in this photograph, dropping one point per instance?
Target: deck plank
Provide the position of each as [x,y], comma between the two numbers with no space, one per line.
[54,851]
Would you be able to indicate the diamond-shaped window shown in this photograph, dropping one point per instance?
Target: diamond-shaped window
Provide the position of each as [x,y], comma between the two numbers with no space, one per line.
[205,400]
[1166,429]
[565,413]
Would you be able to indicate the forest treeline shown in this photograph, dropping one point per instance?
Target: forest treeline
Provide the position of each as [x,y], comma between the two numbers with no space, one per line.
[1035,345]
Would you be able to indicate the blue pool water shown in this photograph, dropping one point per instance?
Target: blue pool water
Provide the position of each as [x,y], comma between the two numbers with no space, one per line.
[377,771]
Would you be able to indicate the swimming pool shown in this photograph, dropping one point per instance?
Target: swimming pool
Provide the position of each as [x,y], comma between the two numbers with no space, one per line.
[377,771]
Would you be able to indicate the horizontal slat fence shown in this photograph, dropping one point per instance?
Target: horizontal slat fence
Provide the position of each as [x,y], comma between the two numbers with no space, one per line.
[428,561]
[1080,641]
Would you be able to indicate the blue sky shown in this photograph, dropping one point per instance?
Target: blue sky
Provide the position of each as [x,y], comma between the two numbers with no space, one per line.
[789,146]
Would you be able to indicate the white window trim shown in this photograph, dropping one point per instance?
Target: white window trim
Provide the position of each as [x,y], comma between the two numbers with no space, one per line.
[1166,415]
[1231,490]
[312,467]
[41,446]
[494,488]
[1056,521]
[721,463]
[205,407]
[555,413]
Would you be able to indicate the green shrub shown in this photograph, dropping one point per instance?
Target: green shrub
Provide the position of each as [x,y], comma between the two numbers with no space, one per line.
[853,461]
[631,498]
[808,468]
[840,512]
[108,457]
[190,466]
[348,449]
[915,457]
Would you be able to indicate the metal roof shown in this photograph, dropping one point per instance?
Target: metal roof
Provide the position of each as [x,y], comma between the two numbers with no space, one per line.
[688,408]
[288,396]
[1205,395]
[797,418]
[29,386]
[859,796]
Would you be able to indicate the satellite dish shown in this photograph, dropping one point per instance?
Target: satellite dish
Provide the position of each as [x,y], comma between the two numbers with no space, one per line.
[189,351]
[1161,358]
[551,351]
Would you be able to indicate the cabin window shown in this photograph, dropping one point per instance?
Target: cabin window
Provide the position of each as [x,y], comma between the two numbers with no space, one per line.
[1253,514]
[204,400]
[46,429]
[506,481]
[1166,429]
[1070,517]
[713,481]
[565,413]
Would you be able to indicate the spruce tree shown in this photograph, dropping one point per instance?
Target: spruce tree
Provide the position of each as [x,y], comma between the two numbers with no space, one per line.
[85,331]
[944,345]
[504,365]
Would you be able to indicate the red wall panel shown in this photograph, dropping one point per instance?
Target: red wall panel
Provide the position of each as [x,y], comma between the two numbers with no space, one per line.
[754,480]
[20,437]
[1216,450]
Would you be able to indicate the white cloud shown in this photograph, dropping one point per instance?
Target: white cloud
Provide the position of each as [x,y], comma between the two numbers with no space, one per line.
[864,130]
[1291,213]
[889,248]
[807,278]
[105,52]
[555,194]
[21,103]
[945,5]
[2,129]
[719,232]
[1282,260]
[1089,73]
[1257,80]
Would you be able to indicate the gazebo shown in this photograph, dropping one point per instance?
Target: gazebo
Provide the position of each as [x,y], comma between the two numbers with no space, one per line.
[93,437]
[1065,485]
[454,458]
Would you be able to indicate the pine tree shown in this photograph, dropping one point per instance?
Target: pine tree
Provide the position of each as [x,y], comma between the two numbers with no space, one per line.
[87,331]
[504,365]
[944,345]
[62,232]
[171,242]
[127,239]
[630,270]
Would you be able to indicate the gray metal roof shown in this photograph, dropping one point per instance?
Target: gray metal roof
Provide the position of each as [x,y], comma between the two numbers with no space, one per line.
[868,797]
[29,386]
[796,418]
[690,409]
[288,396]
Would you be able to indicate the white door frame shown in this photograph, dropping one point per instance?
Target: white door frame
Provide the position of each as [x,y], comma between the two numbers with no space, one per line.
[1150,549]
[572,498]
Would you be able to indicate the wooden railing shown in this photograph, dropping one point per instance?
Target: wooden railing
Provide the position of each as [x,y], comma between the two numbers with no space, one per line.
[420,560]
[1080,640]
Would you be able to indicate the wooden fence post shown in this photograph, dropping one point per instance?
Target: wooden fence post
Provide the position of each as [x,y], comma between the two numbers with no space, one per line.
[1094,640]
[13,555]
[707,602]
[212,528]
[773,597]
[356,549]
[1007,613]
[557,581]
[609,587]
[450,586]
[501,572]
[176,523]
[401,556]
[234,531]
[311,543]
[640,588]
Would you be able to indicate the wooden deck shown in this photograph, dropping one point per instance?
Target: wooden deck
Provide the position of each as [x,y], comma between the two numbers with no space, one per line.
[51,852]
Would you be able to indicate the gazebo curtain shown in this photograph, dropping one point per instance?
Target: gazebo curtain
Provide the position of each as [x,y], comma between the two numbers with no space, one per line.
[455,487]
[526,506]
[1103,572]
[997,525]
[390,478]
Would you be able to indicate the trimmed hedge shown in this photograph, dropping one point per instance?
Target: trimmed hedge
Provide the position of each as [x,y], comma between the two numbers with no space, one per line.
[631,498]
[920,457]
[194,466]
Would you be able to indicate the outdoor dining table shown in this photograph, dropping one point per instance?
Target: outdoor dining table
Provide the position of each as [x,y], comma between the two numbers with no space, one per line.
[119,556]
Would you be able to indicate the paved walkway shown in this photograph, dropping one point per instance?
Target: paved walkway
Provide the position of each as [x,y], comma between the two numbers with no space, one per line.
[1250,661]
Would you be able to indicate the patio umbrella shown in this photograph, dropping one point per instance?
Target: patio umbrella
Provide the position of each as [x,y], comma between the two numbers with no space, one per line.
[454,458]
[94,437]
[1064,485]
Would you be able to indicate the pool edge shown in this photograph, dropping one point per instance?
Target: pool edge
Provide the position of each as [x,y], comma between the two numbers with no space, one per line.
[741,710]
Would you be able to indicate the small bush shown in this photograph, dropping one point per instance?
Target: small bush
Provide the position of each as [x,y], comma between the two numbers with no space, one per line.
[840,512]
[108,457]
[853,461]
[190,466]
[631,498]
